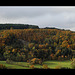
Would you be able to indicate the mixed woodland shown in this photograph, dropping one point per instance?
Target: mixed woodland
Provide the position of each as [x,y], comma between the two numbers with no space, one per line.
[31,43]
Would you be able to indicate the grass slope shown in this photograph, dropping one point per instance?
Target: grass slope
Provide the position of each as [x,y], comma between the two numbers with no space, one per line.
[51,64]
[10,66]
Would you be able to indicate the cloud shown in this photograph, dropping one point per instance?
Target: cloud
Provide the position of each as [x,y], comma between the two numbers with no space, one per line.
[43,16]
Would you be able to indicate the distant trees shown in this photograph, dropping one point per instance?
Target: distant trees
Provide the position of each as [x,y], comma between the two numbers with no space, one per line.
[18,26]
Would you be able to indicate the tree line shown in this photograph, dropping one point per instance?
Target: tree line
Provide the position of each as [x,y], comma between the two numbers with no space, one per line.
[17,26]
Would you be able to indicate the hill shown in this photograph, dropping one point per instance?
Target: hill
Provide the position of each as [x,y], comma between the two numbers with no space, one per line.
[45,44]
[18,26]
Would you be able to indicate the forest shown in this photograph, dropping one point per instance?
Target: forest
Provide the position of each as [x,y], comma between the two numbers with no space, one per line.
[23,45]
[18,26]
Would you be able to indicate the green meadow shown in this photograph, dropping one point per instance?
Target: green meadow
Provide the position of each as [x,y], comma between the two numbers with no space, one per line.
[50,64]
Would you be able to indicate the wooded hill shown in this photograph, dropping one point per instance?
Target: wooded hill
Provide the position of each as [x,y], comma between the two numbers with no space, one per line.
[18,26]
[23,26]
[45,44]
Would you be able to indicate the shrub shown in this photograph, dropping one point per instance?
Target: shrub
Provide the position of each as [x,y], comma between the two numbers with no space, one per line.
[45,66]
[32,67]
[73,63]
[36,61]
[9,61]
[2,66]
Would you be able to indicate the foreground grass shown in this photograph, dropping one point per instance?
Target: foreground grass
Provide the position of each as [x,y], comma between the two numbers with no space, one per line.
[10,66]
[51,64]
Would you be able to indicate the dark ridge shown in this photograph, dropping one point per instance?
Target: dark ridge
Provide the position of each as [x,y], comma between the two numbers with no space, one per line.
[18,26]
[24,26]
[52,28]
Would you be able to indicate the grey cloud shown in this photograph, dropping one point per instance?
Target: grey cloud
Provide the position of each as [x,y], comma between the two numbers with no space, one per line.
[23,12]
[19,12]
[61,17]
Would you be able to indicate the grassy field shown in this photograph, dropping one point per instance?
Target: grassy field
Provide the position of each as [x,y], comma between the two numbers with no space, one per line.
[51,64]
[10,66]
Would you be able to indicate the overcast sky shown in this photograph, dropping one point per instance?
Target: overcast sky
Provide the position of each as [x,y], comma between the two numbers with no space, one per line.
[44,16]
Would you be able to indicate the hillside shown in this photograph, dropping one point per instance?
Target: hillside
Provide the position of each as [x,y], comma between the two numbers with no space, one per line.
[46,44]
[18,26]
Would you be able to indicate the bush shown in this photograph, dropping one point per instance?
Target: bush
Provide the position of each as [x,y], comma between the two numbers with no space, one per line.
[9,61]
[32,67]
[45,66]
[73,63]
[2,66]
[35,61]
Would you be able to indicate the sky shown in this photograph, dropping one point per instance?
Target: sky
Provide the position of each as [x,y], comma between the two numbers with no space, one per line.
[62,17]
